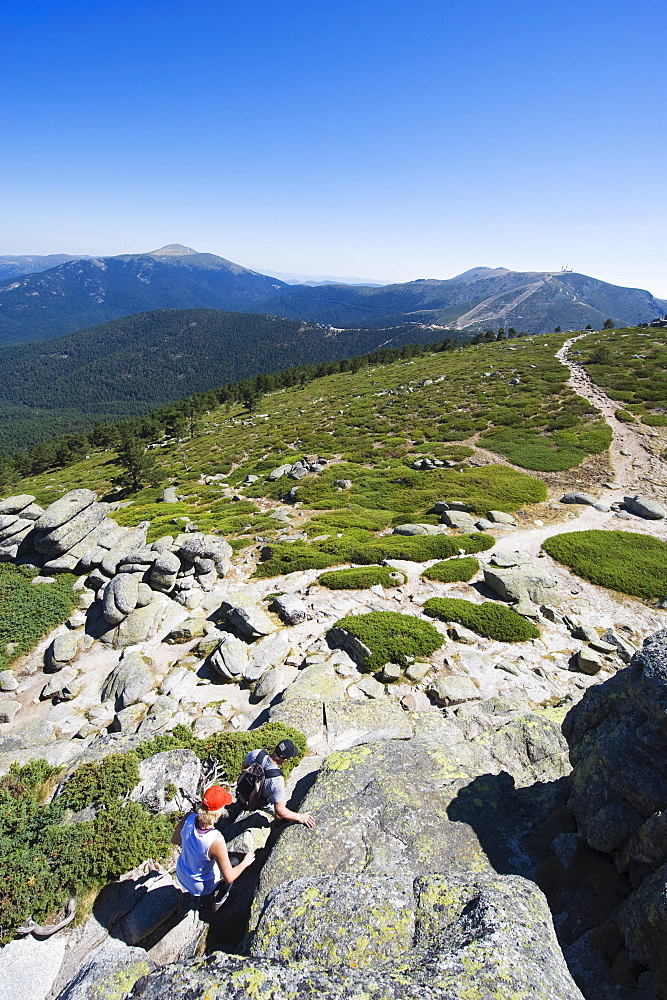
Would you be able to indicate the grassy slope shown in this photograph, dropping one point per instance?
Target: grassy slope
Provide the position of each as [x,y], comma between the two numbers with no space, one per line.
[631,366]
[373,423]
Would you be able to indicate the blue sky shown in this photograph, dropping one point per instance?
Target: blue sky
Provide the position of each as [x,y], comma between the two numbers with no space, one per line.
[386,140]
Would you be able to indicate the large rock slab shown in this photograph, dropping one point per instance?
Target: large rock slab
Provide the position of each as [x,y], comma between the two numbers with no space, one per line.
[618,745]
[30,967]
[64,509]
[418,812]
[318,682]
[16,504]
[109,973]
[57,541]
[387,938]
[350,723]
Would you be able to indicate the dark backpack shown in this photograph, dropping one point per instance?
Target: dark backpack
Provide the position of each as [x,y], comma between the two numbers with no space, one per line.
[250,786]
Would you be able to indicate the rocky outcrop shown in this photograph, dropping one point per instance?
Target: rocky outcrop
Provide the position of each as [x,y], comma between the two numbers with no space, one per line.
[76,532]
[418,813]
[618,739]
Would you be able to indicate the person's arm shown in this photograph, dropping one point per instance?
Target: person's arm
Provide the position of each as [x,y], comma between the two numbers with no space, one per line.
[176,835]
[282,812]
[218,852]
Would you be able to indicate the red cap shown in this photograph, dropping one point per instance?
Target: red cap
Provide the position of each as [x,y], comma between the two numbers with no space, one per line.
[216,797]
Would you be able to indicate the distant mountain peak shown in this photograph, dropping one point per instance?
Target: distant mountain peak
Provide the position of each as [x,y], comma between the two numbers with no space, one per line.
[171,250]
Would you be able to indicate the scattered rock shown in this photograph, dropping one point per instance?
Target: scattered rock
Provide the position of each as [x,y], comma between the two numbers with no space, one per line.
[588,660]
[449,689]
[577,497]
[180,768]
[8,681]
[129,681]
[9,710]
[231,658]
[62,651]
[191,628]
[500,517]
[291,609]
[251,621]
[643,507]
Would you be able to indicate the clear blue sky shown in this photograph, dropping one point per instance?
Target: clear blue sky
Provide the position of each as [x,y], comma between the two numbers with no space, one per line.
[389,140]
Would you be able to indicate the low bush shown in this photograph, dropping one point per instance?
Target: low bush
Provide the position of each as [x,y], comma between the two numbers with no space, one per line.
[625,416]
[621,560]
[452,569]
[415,548]
[30,610]
[43,861]
[491,620]
[297,556]
[392,637]
[228,749]
[359,579]
[101,782]
[655,420]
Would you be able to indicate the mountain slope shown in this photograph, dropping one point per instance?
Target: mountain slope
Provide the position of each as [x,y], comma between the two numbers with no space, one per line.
[482,297]
[82,293]
[132,364]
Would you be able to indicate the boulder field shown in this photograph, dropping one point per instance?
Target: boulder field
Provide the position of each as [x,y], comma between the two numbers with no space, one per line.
[489,816]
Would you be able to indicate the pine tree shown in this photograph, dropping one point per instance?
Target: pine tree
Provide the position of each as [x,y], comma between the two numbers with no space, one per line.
[139,466]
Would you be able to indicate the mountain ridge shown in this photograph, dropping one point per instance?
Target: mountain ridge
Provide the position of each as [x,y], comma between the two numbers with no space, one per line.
[84,292]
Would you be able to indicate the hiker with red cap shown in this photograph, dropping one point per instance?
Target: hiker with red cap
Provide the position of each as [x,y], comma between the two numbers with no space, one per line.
[203,865]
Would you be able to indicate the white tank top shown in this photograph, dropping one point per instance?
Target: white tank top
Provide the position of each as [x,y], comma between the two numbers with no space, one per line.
[196,872]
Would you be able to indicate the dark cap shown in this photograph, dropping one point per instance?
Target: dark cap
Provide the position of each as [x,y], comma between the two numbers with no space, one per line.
[286,750]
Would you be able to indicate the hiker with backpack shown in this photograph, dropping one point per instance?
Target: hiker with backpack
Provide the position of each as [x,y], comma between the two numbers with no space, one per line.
[262,785]
[204,867]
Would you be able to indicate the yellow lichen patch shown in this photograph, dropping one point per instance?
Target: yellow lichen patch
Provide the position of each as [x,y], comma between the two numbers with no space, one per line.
[341,760]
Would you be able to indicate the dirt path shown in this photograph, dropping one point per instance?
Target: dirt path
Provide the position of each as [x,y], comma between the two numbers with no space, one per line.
[634,452]
[637,469]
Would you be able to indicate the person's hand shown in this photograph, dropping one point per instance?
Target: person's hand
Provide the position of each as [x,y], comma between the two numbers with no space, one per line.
[249,858]
[307,819]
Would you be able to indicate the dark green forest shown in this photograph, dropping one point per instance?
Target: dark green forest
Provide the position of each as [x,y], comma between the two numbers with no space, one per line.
[133,365]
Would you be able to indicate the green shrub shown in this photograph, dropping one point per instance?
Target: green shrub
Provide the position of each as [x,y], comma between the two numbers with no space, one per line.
[625,416]
[228,749]
[293,557]
[30,611]
[102,782]
[621,560]
[360,579]
[392,637]
[416,548]
[655,420]
[491,620]
[452,569]
[42,861]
